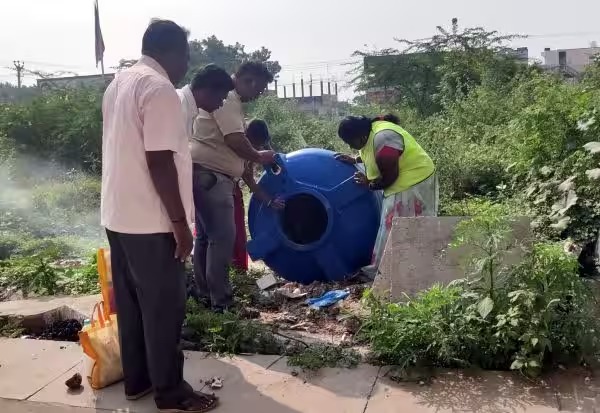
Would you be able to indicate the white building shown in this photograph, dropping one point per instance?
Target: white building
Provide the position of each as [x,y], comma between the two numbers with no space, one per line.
[572,61]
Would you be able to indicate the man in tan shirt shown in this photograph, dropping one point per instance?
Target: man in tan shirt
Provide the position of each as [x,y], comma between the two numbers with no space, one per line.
[220,150]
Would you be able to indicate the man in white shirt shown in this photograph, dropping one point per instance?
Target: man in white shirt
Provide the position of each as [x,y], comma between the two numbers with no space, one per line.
[207,91]
[146,207]
[220,150]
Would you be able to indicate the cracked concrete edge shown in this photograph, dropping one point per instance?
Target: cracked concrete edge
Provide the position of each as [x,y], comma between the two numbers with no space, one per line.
[275,362]
[57,377]
[377,376]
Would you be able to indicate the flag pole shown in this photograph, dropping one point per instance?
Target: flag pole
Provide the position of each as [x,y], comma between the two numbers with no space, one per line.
[98,39]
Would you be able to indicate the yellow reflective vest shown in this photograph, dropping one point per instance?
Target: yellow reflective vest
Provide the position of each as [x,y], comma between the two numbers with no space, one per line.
[414,165]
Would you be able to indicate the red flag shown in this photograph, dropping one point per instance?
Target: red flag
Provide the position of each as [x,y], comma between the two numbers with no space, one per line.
[98,37]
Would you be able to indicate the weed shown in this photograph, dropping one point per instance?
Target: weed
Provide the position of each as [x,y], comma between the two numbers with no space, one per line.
[228,333]
[10,327]
[41,274]
[317,356]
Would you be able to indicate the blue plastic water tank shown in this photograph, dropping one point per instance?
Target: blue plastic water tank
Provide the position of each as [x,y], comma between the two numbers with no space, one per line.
[328,227]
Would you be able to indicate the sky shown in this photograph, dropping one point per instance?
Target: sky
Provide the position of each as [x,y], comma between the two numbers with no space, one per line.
[307,37]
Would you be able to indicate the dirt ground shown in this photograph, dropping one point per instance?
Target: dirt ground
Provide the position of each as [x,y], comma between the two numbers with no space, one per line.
[336,324]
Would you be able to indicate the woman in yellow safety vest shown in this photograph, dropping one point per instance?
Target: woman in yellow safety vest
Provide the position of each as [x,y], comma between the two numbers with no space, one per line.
[396,164]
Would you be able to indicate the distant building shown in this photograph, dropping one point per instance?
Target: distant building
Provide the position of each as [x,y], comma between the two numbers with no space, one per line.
[323,104]
[93,81]
[520,54]
[381,95]
[316,105]
[569,62]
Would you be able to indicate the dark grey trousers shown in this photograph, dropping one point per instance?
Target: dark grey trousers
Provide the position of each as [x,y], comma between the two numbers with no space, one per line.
[150,295]
[215,236]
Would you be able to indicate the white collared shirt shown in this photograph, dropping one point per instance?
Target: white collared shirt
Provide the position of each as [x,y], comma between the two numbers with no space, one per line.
[189,107]
[141,113]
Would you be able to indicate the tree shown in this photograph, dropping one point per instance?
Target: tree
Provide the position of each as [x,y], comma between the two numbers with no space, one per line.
[429,74]
[213,50]
[229,57]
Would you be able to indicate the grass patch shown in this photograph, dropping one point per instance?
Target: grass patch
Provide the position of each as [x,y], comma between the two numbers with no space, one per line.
[42,274]
[228,333]
[317,356]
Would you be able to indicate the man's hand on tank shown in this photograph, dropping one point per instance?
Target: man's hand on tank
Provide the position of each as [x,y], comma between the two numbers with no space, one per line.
[277,203]
[361,179]
[342,157]
[267,157]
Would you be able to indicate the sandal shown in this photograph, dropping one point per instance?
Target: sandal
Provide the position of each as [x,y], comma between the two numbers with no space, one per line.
[193,403]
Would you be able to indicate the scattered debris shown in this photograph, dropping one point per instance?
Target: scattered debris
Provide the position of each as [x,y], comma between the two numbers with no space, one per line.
[62,330]
[293,295]
[300,326]
[249,313]
[215,383]
[74,383]
[267,281]
[328,298]
[421,375]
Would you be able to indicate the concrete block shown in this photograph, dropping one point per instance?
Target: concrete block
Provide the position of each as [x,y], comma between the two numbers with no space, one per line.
[417,254]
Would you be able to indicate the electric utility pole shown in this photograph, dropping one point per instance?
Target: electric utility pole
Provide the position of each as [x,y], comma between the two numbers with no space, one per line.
[19,67]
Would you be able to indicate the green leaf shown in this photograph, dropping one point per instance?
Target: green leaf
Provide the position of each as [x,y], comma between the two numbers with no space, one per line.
[533,363]
[534,341]
[485,307]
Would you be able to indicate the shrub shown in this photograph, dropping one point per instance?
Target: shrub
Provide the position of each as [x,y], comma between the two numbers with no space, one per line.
[41,274]
[499,317]
[63,126]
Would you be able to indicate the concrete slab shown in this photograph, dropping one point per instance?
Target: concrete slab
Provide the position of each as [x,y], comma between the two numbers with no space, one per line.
[83,304]
[246,385]
[241,377]
[576,390]
[459,391]
[15,406]
[26,366]
[417,254]
[335,390]
[110,398]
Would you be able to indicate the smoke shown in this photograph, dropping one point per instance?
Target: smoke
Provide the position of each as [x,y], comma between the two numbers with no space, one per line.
[40,200]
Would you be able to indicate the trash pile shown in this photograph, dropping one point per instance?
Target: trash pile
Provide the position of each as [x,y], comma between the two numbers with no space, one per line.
[62,330]
[325,311]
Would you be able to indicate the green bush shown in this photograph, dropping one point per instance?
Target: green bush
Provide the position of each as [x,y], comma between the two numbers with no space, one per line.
[292,129]
[76,193]
[473,206]
[228,333]
[64,126]
[41,274]
[521,318]
[22,245]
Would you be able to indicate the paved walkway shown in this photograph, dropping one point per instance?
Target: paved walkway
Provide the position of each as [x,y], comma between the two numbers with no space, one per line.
[32,376]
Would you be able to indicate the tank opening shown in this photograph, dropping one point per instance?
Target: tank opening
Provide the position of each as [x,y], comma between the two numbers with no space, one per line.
[304,219]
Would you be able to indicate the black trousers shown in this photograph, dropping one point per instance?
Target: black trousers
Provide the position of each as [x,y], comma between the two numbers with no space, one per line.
[150,295]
